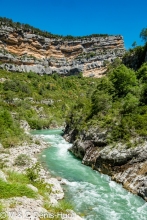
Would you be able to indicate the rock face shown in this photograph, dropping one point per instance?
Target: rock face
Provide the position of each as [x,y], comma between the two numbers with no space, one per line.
[23,51]
[125,165]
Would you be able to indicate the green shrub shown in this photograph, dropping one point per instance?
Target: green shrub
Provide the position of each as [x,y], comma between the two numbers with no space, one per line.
[123,80]
[101,102]
[22,160]
[135,57]
[129,103]
[33,172]
[10,134]
[16,86]
[142,73]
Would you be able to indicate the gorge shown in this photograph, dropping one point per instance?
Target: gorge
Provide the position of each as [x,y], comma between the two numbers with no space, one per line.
[96,92]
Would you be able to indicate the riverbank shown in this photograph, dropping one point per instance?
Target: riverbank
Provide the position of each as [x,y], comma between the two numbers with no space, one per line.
[93,195]
[125,165]
[22,162]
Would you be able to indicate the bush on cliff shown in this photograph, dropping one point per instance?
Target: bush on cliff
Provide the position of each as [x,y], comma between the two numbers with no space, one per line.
[123,80]
[135,57]
[37,31]
[10,133]
[143,34]
[118,106]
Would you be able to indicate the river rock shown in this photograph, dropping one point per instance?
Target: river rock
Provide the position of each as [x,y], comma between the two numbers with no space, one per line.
[1,147]
[79,148]
[24,125]
[143,192]
[3,176]
[56,187]
[32,187]
[71,216]
[24,208]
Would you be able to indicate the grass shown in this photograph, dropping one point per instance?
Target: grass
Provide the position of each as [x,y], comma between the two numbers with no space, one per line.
[17,187]
[56,211]
[15,177]
[2,164]
[9,190]
[3,215]
[63,206]
[44,189]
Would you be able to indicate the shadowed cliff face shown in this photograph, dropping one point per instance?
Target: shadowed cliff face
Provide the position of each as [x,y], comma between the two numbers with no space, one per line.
[24,52]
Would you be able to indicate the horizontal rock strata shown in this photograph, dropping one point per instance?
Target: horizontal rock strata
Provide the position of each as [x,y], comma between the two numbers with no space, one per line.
[22,51]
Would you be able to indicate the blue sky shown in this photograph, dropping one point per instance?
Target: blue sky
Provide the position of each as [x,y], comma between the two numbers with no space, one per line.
[81,17]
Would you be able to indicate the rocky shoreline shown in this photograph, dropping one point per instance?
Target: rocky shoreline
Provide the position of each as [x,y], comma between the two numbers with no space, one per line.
[24,207]
[125,165]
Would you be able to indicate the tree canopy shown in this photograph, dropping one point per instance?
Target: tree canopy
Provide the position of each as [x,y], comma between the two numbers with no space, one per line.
[143,34]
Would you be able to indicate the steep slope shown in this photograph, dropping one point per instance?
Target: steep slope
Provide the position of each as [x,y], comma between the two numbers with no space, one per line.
[22,50]
[111,136]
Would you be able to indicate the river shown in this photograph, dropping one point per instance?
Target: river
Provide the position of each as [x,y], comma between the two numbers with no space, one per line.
[93,195]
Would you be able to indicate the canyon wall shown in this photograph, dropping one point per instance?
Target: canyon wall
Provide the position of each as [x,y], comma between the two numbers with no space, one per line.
[125,165]
[23,51]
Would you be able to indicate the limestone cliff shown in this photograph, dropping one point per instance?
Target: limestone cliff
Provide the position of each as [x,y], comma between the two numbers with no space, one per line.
[24,51]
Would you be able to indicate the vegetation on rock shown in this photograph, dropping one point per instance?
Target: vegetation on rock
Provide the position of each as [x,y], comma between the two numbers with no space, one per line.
[118,105]
[135,57]
[43,101]
[37,31]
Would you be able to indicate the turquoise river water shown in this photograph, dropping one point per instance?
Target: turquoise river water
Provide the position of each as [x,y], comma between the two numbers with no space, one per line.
[92,194]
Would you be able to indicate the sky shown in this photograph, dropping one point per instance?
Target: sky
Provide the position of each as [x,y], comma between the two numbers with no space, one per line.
[81,17]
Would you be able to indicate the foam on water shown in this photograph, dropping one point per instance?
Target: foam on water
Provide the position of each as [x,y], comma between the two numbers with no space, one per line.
[91,193]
